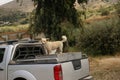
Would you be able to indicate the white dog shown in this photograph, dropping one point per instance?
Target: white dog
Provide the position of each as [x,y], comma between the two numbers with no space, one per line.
[54,45]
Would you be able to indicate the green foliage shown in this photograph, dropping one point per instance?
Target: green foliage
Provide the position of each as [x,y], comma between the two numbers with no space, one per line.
[11,16]
[104,11]
[49,14]
[101,38]
[71,33]
[82,1]
[117,7]
[24,21]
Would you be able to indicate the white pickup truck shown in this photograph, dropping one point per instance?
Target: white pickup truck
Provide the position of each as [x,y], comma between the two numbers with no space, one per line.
[27,61]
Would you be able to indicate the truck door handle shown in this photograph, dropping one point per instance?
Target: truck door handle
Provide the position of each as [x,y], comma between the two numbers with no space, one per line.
[1,69]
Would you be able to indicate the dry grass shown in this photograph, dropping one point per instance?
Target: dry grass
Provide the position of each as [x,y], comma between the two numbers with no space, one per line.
[99,18]
[7,29]
[105,68]
[12,32]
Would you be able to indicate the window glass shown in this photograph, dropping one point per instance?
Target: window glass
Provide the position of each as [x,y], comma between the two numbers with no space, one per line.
[2,51]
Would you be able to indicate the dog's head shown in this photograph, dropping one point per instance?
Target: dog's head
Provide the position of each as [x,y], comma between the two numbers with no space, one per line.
[44,40]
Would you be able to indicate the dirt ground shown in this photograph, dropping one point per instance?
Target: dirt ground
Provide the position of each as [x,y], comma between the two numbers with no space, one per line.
[105,68]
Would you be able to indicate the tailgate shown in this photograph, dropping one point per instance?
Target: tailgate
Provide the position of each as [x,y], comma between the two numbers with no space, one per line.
[75,69]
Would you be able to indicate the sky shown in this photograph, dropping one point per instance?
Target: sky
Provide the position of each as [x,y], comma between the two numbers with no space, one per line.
[4,1]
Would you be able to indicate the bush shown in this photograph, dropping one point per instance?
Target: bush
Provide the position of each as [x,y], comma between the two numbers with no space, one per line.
[24,21]
[104,11]
[101,38]
[117,7]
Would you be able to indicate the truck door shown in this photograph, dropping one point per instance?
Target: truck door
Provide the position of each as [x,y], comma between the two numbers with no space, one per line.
[2,64]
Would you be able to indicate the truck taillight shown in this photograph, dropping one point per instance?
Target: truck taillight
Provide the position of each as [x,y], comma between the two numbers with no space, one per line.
[58,72]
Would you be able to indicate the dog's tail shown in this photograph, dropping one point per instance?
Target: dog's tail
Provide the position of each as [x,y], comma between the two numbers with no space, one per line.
[64,38]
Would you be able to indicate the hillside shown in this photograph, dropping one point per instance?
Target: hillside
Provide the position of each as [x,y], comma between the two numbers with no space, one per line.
[14,9]
[96,4]
[15,13]
[27,6]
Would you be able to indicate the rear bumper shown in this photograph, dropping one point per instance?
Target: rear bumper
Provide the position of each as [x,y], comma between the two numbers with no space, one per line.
[88,78]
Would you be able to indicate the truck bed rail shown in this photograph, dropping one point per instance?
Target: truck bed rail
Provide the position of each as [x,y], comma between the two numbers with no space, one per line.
[53,59]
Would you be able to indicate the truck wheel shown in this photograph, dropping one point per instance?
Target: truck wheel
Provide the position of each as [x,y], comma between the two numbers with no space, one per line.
[19,79]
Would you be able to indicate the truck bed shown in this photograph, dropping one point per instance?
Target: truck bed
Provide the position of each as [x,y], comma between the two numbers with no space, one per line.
[74,66]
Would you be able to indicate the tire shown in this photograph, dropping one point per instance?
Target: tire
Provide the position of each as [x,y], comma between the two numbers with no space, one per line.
[19,79]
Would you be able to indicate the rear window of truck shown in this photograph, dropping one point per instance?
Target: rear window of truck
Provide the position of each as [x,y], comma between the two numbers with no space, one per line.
[28,52]
[2,51]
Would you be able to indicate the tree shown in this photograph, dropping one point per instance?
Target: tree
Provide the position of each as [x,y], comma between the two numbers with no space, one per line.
[49,14]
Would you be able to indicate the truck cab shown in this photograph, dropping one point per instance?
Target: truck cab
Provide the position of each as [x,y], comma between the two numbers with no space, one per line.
[2,63]
[4,60]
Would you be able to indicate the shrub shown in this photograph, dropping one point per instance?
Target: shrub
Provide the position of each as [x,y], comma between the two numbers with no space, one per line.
[104,11]
[117,7]
[101,38]
[72,33]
